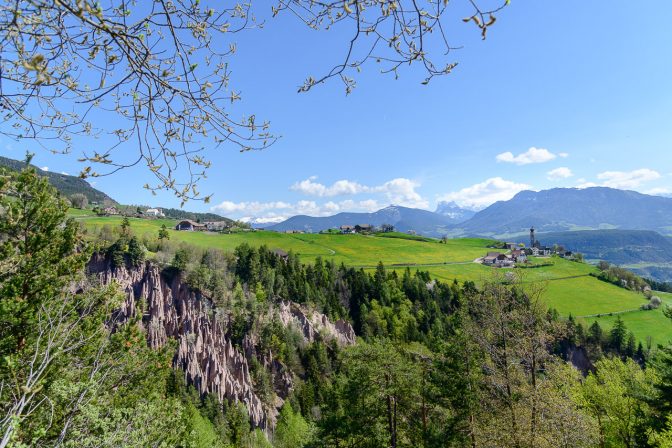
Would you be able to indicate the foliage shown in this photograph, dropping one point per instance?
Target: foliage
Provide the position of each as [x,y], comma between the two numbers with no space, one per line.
[163,233]
[621,277]
[78,200]
[292,430]
[617,395]
[65,377]
[38,252]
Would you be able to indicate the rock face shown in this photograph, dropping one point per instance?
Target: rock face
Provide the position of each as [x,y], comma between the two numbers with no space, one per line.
[208,358]
[312,323]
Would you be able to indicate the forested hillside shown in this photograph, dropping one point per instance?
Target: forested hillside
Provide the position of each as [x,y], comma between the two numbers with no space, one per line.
[65,184]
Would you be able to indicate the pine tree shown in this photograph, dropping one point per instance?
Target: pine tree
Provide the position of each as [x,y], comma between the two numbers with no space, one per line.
[617,336]
[40,251]
[163,233]
[125,226]
[630,345]
[136,252]
[595,334]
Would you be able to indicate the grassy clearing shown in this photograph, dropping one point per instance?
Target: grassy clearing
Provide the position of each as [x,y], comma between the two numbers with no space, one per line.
[643,324]
[586,295]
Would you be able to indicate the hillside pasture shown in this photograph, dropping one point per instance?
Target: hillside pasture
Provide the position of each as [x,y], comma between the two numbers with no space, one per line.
[643,324]
[354,250]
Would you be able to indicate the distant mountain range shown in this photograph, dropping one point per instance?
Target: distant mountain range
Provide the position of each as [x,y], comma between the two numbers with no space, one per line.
[563,209]
[403,219]
[556,210]
[67,185]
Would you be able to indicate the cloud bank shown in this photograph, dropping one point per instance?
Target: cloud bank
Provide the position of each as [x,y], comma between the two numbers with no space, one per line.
[532,155]
[483,194]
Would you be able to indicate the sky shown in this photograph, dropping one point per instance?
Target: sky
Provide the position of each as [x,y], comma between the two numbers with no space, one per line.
[560,94]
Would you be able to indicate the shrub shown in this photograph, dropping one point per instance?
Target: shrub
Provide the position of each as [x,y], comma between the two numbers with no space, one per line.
[653,304]
[78,200]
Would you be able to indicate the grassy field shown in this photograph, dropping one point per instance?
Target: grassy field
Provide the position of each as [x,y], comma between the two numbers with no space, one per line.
[568,286]
[643,324]
[355,250]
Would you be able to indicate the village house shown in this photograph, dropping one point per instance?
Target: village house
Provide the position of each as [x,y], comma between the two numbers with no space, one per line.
[491,258]
[347,229]
[498,260]
[155,212]
[190,226]
[216,226]
[519,256]
[359,228]
[541,251]
[110,211]
[284,256]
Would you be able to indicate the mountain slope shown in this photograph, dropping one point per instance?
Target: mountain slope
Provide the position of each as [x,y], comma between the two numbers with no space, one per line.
[563,209]
[65,184]
[403,218]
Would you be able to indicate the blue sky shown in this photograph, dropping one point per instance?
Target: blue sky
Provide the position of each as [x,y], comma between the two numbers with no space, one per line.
[561,94]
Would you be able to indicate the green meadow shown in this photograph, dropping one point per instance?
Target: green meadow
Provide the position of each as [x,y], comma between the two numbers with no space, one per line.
[567,286]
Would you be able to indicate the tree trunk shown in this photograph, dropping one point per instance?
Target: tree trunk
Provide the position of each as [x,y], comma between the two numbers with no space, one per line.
[391,422]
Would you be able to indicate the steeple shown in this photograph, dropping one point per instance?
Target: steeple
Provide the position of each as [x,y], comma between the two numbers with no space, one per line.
[532,238]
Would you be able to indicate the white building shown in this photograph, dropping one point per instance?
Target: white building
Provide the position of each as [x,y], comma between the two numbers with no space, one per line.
[156,212]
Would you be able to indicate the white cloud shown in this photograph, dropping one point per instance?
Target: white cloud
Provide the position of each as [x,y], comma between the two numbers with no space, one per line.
[485,193]
[369,205]
[533,155]
[627,179]
[338,188]
[399,191]
[265,220]
[659,191]
[564,155]
[249,207]
[559,173]
[45,168]
[583,183]
[276,211]
[64,173]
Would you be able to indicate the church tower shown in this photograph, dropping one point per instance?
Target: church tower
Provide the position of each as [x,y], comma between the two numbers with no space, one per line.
[532,238]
